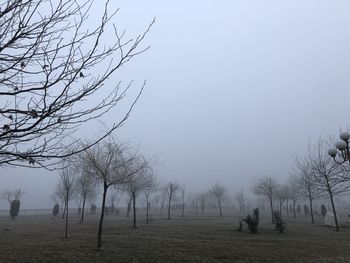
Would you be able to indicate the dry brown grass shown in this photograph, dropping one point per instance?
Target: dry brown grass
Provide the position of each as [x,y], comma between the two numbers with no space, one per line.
[189,239]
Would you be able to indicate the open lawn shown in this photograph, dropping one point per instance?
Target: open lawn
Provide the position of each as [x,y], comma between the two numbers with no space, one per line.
[188,239]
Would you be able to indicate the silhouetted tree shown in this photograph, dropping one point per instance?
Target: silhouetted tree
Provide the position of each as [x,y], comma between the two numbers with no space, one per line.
[13,197]
[49,85]
[218,191]
[253,221]
[183,192]
[66,185]
[279,223]
[203,198]
[295,193]
[111,163]
[171,189]
[329,177]
[140,181]
[239,197]
[56,210]
[85,186]
[282,194]
[323,210]
[305,181]
[266,187]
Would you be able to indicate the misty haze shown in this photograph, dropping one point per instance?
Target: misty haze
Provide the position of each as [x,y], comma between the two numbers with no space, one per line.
[174,131]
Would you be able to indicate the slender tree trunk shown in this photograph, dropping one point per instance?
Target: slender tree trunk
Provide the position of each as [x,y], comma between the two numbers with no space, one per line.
[147,208]
[129,207]
[99,235]
[183,209]
[134,208]
[281,209]
[169,208]
[220,206]
[82,211]
[64,210]
[271,206]
[67,221]
[287,207]
[334,212]
[294,212]
[311,209]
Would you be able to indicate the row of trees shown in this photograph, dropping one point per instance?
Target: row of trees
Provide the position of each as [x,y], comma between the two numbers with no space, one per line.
[314,176]
[115,165]
[109,164]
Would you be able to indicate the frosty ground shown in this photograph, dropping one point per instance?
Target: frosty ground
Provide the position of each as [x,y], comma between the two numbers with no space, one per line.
[193,238]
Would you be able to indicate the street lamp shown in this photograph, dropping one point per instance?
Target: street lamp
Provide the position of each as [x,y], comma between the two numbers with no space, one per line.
[341,152]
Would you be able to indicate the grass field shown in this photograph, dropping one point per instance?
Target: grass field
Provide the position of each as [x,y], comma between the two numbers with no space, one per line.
[188,239]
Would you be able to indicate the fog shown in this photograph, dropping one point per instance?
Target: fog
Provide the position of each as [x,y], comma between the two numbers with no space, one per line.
[234,89]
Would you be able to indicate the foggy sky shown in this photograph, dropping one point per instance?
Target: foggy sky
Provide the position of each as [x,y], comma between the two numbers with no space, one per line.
[234,89]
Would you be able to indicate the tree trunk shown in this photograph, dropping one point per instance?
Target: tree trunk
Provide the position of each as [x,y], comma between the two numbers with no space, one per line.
[64,210]
[294,212]
[99,235]
[271,206]
[311,209]
[129,207]
[334,212]
[183,209]
[281,203]
[134,208]
[169,208]
[67,220]
[147,208]
[82,211]
[220,206]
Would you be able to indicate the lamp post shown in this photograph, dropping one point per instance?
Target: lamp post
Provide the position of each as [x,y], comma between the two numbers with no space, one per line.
[341,152]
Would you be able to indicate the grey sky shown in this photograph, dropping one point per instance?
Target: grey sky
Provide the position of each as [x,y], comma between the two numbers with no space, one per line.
[234,88]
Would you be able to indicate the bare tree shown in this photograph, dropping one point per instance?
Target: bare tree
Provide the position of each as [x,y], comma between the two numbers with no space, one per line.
[59,197]
[114,199]
[111,163]
[66,186]
[129,201]
[282,194]
[329,177]
[156,199]
[142,180]
[12,195]
[151,188]
[162,196]
[294,193]
[239,197]
[53,71]
[218,191]
[305,183]
[171,189]
[203,198]
[183,192]
[85,187]
[266,187]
